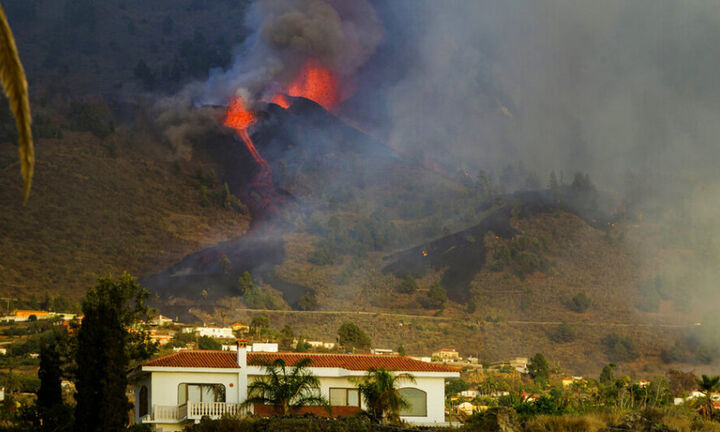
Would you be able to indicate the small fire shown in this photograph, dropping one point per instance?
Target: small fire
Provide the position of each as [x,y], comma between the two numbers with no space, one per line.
[316,82]
[424,253]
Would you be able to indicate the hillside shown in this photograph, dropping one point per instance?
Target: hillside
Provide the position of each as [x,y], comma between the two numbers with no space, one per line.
[319,219]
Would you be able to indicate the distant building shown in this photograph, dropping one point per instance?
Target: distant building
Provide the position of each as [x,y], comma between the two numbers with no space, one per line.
[25,314]
[320,344]
[470,393]
[264,347]
[160,320]
[446,354]
[256,347]
[518,363]
[215,332]
[162,339]
[243,328]
[3,351]
[382,351]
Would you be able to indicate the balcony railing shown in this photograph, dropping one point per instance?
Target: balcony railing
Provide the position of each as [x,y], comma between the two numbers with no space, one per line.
[197,410]
[193,411]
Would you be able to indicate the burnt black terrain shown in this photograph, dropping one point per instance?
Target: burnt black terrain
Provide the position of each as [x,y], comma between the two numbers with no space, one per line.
[463,253]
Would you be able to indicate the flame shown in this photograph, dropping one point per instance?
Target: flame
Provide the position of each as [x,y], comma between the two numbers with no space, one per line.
[316,82]
[424,253]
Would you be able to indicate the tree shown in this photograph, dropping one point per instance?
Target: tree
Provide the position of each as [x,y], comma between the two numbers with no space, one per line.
[286,337]
[401,350]
[245,283]
[286,388]
[619,348]
[454,386]
[539,368]
[14,83]
[104,351]
[352,337]
[382,398]
[407,285]
[208,343]
[437,296]
[54,415]
[606,375]
[259,323]
[708,385]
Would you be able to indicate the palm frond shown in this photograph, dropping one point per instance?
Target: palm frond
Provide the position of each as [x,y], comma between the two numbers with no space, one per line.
[12,77]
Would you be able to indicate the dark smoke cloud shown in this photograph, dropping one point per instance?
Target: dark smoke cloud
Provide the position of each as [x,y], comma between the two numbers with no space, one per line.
[341,34]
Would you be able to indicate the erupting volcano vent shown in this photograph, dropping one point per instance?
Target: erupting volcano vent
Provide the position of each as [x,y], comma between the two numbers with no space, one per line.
[315,82]
[240,118]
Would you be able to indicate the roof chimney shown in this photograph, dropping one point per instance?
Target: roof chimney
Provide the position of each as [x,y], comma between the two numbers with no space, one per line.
[241,352]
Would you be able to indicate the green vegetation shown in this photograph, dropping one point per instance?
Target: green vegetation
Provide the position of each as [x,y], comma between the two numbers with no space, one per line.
[579,303]
[619,348]
[352,337]
[379,390]
[105,349]
[286,388]
[208,343]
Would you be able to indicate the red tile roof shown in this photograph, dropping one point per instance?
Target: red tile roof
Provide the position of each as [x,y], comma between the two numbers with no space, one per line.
[227,359]
[199,359]
[353,361]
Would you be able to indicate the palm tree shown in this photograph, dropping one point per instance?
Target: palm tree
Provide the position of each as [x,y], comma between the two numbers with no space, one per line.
[707,385]
[287,388]
[12,77]
[379,390]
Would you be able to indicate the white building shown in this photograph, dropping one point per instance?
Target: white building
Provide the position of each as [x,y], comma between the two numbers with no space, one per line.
[215,332]
[184,386]
[256,347]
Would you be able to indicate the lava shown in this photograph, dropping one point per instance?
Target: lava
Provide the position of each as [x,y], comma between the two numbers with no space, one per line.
[240,118]
[317,83]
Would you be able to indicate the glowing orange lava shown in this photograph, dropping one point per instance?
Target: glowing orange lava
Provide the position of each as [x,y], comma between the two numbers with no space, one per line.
[318,83]
[281,100]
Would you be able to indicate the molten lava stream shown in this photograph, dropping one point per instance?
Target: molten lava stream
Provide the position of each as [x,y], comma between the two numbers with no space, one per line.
[240,118]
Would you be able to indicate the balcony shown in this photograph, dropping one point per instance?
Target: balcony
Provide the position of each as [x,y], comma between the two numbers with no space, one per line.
[193,411]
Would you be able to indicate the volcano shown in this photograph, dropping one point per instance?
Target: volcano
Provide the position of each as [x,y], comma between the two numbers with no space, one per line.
[289,145]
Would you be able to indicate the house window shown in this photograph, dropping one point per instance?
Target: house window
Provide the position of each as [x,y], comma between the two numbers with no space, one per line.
[417,402]
[344,397]
[144,403]
[200,393]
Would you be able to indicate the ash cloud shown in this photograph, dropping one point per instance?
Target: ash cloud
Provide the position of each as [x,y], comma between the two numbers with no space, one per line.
[341,34]
[625,91]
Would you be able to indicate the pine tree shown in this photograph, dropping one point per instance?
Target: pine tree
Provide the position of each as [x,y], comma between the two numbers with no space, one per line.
[52,412]
[105,348]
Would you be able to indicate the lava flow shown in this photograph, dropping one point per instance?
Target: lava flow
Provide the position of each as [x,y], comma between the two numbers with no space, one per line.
[240,118]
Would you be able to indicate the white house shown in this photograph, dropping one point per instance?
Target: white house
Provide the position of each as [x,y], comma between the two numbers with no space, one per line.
[256,347]
[184,386]
[215,332]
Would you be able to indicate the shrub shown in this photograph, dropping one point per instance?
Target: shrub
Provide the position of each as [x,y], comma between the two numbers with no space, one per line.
[93,118]
[619,348]
[407,286]
[563,334]
[208,343]
[580,303]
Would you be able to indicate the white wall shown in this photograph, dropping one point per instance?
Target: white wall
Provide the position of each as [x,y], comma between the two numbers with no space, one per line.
[433,386]
[164,386]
